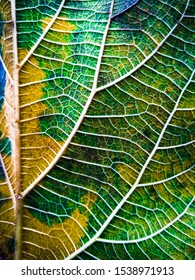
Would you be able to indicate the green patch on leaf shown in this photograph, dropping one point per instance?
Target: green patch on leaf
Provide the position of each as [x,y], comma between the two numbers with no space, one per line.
[5,145]
[49,208]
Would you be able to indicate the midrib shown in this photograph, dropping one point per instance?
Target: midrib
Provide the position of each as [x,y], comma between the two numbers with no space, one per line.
[16,146]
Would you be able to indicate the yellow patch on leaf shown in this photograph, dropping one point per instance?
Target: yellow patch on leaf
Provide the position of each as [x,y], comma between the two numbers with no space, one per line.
[6,39]
[59,32]
[59,240]
[126,173]
[30,72]
[187,180]
[4,190]
[6,223]
[89,199]
[164,194]
[56,38]
[38,150]
[60,24]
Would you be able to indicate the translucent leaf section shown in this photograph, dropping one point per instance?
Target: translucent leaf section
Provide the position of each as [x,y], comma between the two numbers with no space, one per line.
[128,172]
[106,106]
[58,57]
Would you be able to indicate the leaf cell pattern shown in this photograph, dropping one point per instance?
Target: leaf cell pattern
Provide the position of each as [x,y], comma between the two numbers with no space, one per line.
[97,129]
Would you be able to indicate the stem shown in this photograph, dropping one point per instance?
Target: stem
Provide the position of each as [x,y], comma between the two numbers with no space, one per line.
[18,229]
[16,146]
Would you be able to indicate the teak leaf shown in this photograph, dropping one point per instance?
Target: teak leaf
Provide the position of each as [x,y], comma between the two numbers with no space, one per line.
[97,129]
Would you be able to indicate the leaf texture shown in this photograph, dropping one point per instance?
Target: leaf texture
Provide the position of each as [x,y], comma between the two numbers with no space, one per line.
[122,6]
[97,129]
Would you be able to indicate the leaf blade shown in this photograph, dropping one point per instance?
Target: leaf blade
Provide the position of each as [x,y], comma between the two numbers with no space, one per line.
[124,180]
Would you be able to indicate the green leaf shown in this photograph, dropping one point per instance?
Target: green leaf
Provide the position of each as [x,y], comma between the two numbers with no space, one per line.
[97,129]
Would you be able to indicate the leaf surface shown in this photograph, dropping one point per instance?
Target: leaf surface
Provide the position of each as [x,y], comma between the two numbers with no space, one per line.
[122,6]
[97,129]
